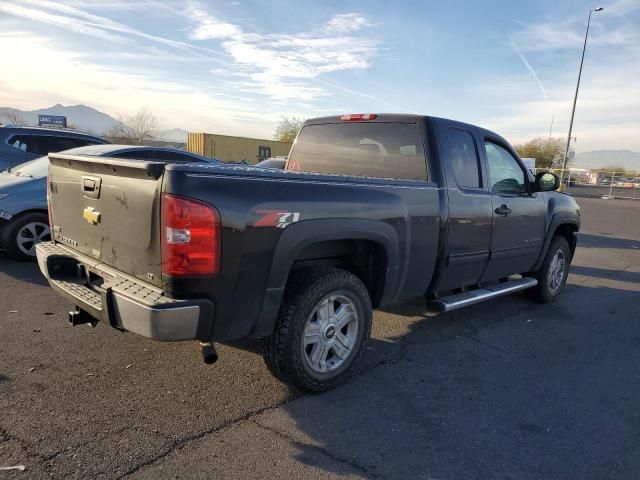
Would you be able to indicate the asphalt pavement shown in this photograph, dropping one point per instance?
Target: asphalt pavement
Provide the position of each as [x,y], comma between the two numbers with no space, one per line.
[506,389]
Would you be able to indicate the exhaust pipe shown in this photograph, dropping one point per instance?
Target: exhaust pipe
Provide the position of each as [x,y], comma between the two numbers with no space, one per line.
[209,354]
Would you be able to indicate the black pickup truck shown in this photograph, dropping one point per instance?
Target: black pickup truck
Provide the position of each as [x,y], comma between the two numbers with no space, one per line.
[370,209]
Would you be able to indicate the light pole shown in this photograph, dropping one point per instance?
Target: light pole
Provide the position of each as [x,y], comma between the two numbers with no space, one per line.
[575,98]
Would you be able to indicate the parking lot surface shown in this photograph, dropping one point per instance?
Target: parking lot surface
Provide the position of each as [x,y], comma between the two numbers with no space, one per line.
[504,389]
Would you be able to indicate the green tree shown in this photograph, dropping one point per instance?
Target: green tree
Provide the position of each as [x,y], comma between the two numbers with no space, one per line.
[288,129]
[548,152]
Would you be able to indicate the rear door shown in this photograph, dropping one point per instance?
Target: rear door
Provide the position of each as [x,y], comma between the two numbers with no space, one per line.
[470,209]
[108,209]
[518,213]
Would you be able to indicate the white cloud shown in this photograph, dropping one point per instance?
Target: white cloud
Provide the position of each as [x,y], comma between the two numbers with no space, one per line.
[273,68]
[280,66]
[39,15]
[71,78]
[209,27]
[76,19]
[347,22]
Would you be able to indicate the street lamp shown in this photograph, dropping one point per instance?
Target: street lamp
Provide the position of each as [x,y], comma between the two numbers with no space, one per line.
[575,98]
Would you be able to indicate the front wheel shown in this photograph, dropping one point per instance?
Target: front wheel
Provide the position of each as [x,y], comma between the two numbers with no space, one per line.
[553,272]
[323,327]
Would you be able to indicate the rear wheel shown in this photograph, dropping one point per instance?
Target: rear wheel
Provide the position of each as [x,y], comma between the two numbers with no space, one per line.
[23,233]
[322,329]
[553,272]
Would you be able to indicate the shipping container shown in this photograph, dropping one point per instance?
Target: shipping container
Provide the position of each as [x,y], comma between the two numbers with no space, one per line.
[235,149]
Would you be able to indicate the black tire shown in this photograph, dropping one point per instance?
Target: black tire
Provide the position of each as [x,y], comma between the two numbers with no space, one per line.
[284,351]
[544,291]
[12,242]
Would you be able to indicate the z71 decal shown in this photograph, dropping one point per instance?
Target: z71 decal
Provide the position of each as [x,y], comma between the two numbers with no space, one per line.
[276,218]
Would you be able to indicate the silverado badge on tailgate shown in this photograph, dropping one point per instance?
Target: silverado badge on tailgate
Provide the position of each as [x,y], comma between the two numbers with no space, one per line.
[91,216]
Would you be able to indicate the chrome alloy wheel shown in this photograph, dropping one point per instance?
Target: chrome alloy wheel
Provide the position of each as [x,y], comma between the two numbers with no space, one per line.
[556,271]
[330,334]
[30,234]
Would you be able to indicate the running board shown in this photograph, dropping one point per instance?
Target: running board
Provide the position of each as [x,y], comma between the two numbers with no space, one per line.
[460,300]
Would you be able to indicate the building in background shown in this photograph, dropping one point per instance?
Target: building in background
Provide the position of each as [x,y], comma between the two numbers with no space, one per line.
[235,149]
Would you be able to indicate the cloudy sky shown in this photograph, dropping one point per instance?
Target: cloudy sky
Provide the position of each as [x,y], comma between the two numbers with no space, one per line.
[238,67]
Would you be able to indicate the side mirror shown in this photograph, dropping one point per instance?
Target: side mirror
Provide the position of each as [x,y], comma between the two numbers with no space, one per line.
[547,181]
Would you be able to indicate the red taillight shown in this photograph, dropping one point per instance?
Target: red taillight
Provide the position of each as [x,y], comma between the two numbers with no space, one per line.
[190,232]
[358,117]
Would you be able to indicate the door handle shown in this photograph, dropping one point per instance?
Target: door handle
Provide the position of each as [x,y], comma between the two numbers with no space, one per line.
[503,210]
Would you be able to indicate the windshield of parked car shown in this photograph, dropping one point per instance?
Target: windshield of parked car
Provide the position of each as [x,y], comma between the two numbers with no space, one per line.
[35,168]
[386,150]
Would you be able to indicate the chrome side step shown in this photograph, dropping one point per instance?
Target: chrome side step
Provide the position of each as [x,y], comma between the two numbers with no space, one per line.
[460,300]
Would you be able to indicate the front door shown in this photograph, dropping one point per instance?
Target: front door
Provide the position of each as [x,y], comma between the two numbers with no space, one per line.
[518,214]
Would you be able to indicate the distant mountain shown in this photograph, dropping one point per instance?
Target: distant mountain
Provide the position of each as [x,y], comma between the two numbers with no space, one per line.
[84,118]
[604,158]
[80,117]
[178,135]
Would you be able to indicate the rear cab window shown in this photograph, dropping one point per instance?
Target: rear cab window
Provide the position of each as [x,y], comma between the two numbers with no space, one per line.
[377,149]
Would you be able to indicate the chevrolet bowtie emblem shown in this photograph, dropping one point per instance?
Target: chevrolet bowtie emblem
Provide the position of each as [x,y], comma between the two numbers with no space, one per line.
[91,216]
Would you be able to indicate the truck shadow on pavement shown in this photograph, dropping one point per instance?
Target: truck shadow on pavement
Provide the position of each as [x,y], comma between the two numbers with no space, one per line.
[505,389]
[602,241]
[27,272]
[620,275]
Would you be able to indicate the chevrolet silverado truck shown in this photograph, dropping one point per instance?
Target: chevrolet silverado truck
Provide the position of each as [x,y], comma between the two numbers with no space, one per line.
[369,210]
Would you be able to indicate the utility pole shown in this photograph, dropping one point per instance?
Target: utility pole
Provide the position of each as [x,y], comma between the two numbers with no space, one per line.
[575,97]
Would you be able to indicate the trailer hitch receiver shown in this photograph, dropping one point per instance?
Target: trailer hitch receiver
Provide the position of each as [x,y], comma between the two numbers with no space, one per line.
[80,317]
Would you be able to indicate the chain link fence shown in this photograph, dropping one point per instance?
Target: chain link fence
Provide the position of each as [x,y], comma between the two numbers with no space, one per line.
[600,183]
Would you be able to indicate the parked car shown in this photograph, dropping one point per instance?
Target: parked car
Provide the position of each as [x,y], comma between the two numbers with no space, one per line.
[23,193]
[371,209]
[19,144]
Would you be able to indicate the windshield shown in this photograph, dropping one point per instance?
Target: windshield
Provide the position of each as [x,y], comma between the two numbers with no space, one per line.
[35,168]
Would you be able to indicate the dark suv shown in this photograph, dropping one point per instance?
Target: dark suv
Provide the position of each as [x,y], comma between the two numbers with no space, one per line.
[20,144]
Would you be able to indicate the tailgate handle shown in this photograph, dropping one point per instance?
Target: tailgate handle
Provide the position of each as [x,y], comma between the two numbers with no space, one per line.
[91,186]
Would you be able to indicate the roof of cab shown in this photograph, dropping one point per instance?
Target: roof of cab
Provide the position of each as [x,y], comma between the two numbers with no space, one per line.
[400,118]
[380,118]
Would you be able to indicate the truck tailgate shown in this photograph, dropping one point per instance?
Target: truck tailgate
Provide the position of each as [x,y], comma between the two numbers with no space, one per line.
[108,209]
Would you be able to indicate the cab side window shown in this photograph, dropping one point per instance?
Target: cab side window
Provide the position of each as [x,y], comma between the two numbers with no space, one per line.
[464,158]
[505,174]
